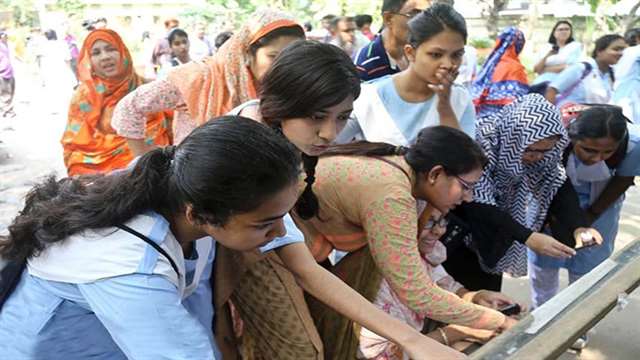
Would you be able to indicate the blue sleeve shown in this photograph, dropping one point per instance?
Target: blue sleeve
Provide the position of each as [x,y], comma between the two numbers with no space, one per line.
[567,78]
[575,55]
[351,131]
[630,166]
[468,121]
[144,315]
[294,235]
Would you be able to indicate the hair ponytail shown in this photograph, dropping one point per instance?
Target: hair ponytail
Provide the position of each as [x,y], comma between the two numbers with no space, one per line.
[227,166]
[307,205]
[436,145]
[55,210]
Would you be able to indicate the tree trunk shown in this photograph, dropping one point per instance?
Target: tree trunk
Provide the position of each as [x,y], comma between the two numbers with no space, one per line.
[631,20]
[493,8]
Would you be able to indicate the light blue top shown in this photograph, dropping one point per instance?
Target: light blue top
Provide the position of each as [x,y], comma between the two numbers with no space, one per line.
[627,90]
[575,89]
[137,316]
[404,113]
[607,224]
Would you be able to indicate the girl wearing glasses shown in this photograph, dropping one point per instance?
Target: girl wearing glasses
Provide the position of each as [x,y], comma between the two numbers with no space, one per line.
[433,253]
[523,183]
[368,205]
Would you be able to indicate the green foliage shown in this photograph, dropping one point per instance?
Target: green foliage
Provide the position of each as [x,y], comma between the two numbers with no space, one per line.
[24,13]
[595,3]
[481,43]
[70,7]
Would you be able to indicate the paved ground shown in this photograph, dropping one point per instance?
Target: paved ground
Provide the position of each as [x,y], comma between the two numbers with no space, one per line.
[617,336]
[31,150]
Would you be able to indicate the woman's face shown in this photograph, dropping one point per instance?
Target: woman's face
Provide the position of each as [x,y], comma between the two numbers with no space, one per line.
[536,151]
[180,48]
[612,54]
[442,54]
[244,232]
[444,191]
[105,60]
[593,150]
[562,33]
[313,134]
[264,56]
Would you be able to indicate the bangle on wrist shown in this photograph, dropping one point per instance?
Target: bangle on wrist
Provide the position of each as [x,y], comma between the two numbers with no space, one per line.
[445,339]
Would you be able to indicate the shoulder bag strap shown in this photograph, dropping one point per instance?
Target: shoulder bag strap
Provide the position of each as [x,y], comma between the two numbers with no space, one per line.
[152,243]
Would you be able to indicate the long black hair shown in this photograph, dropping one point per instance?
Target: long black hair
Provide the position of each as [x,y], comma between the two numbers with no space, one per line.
[440,145]
[306,77]
[434,20]
[227,166]
[602,121]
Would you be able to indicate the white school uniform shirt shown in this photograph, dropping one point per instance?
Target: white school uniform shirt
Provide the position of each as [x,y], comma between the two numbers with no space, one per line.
[371,121]
[97,254]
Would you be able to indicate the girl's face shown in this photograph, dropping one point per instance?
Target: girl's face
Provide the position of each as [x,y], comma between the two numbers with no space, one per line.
[442,54]
[562,33]
[592,150]
[536,151]
[313,134]
[247,231]
[436,226]
[444,191]
[264,56]
[180,48]
[105,60]
[612,54]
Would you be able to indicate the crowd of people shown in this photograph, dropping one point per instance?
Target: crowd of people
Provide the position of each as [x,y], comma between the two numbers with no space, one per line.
[301,194]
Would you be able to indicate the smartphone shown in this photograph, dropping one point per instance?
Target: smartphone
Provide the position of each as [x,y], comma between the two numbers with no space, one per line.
[585,240]
[511,309]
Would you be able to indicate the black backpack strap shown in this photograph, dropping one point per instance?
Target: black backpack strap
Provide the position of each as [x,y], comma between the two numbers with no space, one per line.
[152,243]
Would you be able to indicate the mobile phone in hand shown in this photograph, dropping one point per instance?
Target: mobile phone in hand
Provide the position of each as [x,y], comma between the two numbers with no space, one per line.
[585,240]
[510,310]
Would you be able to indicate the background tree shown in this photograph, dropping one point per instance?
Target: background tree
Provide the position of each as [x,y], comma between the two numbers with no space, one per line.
[490,11]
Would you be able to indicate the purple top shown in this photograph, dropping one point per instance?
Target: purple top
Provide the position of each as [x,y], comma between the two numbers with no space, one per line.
[6,70]
[73,47]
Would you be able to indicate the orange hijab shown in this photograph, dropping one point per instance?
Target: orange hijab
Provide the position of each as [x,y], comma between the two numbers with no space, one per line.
[89,142]
[216,85]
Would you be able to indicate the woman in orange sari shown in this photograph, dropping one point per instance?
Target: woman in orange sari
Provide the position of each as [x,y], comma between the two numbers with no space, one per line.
[201,90]
[106,75]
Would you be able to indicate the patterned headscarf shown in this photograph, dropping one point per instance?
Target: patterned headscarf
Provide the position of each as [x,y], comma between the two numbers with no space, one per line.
[89,142]
[524,191]
[219,83]
[502,78]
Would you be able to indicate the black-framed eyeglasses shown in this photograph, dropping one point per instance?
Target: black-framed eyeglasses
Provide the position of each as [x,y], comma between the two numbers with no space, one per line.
[442,222]
[410,15]
[466,186]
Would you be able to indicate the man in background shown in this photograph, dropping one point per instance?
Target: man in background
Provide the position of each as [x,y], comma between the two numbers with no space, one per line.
[162,51]
[385,54]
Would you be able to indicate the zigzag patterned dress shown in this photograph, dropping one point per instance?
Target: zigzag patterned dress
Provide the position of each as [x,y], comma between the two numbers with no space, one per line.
[524,191]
